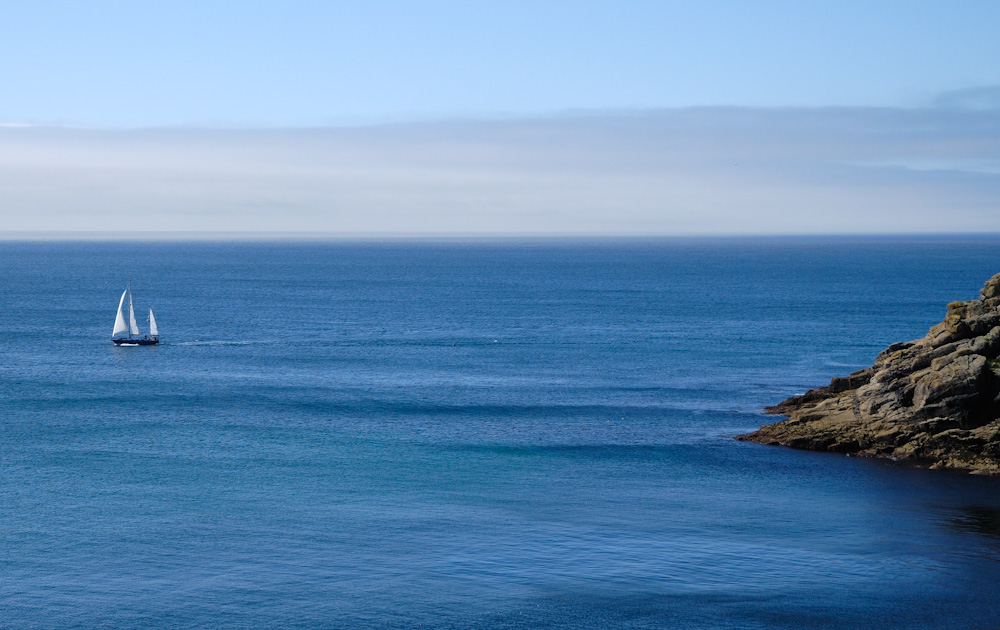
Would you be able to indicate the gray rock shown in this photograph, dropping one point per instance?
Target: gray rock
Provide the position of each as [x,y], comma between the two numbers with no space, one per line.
[934,401]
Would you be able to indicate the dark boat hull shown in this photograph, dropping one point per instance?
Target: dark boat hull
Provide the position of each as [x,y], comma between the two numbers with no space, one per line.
[136,342]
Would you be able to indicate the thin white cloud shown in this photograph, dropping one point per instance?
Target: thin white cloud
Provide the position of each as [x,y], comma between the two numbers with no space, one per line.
[694,171]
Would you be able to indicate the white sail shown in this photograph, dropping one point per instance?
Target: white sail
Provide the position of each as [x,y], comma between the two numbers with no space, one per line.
[126,332]
[133,327]
[120,326]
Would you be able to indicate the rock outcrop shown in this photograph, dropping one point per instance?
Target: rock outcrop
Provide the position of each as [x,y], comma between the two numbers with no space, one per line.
[931,402]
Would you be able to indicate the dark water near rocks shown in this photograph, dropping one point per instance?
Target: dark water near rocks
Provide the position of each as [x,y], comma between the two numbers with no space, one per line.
[482,434]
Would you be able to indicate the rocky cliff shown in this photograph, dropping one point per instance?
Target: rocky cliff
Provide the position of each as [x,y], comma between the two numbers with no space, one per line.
[933,402]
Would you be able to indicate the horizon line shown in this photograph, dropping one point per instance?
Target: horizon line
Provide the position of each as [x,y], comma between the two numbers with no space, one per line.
[206,236]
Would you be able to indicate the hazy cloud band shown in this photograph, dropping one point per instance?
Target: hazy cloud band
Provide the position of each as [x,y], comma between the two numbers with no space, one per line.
[674,172]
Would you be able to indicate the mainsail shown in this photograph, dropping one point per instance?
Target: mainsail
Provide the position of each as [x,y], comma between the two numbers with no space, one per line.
[120,326]
[153,332]
[133,327]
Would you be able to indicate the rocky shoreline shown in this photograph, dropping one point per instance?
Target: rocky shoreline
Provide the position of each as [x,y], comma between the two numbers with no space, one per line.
[931,402]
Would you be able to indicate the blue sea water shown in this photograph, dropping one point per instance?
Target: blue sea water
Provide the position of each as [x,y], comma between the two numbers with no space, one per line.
[491,434]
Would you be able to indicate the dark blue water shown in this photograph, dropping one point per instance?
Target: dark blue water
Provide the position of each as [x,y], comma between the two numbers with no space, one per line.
[483,434]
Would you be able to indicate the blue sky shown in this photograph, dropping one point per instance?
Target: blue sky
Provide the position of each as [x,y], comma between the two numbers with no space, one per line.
[501,118]
[319,63]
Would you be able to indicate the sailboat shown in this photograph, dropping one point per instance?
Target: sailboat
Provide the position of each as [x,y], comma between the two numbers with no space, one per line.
[126,332]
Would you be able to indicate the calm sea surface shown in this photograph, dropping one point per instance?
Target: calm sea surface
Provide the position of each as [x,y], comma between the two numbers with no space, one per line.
[471,435]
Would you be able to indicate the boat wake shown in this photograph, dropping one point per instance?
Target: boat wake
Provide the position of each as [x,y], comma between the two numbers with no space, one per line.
[219,342]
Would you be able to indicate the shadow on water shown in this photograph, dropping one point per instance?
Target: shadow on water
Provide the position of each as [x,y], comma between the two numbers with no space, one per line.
[979,520]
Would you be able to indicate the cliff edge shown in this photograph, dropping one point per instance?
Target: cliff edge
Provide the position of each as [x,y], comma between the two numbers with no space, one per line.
[932,402]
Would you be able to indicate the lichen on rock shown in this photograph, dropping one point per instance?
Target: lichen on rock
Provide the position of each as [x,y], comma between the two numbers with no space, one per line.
[934,401]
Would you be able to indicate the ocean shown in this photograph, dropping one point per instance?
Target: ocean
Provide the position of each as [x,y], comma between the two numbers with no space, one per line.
[472,434]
